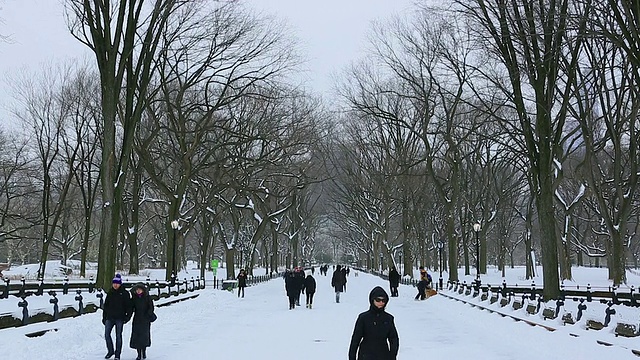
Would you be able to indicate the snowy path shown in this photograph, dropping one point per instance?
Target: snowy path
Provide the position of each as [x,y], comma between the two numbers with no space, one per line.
[218,325]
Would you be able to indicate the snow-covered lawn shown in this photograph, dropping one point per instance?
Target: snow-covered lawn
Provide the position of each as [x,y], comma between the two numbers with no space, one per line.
[218,325]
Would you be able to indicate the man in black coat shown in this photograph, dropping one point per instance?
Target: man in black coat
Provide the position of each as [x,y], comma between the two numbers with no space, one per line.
[338,281]
[292,288]
[242,282]
[116,311]
[394,281]
[375,336]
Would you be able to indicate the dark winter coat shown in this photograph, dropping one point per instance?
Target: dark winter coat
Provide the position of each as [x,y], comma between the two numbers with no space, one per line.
[375,336]
[291,285]
[338,280]
[394,278]
[117,305]
[299,275]
[310,284]
[242,279]
[142,306]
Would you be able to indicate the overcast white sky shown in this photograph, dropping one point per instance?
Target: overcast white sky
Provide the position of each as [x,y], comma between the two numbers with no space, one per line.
[332,34]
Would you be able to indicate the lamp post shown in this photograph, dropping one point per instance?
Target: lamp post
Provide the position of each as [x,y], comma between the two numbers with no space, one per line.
[400,263]
[440,247]
[174,272]
[381,268]
[476,229]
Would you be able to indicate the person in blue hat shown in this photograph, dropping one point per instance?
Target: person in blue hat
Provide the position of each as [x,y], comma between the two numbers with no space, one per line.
[116,312]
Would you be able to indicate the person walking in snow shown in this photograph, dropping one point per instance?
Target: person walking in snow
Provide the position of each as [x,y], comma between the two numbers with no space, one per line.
[292,289]
[143,316]
[375,336]
[422,284]
[116,311]
[344,275]
[394,281]
[310,289]
[338,281]
[242,282]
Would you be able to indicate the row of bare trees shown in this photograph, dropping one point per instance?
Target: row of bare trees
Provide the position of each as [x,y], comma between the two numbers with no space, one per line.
[520,116]
[188,118]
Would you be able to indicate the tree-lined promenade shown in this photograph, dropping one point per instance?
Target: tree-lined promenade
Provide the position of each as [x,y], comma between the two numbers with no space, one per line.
[187,137]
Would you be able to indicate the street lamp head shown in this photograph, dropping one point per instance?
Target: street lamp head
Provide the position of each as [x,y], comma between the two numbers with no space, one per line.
[476,227]
[175,224]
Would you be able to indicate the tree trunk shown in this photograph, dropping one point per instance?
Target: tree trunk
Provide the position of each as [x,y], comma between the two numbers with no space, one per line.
[548,236]
[453,246]
[274,250]
[229,258]
[617,259]
[46,193]
[132,231]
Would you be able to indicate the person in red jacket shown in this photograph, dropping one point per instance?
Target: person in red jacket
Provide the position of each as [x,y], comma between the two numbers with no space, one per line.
[375,336]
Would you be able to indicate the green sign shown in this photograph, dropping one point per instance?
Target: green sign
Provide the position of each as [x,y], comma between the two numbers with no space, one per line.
[214,266]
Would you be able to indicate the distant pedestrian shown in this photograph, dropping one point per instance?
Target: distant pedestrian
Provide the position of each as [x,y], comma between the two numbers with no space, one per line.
[299,276]
[292,288]
[310,289]
[338,281]
[375,336]
[394,281]
[344,275]
[116,311]
[242,282]
[143,316]
[313,270]
[422,284]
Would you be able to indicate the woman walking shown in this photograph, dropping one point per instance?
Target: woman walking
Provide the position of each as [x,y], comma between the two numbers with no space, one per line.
[310,289]
[242,282]
[143,316]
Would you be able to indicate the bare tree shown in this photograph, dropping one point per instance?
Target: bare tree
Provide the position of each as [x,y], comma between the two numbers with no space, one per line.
[124,37]
[528,37]
[49,107]
[14,185]
[606,106]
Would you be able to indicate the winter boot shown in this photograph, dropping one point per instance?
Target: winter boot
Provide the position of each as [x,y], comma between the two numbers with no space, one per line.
[108,356]
[309,306]
[139,354]
[144,353]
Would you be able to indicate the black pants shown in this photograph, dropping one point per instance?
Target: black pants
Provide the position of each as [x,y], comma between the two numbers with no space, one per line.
[241,288]
[421,293]
[310,298]
[394,290]
[292,301]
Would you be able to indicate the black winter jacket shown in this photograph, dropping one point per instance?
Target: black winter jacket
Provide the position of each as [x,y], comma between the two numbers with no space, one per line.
[142,307]
[117,305]
[394,277]
[242,280]
[375,336]
[291,285]
[310,284]
[338,280]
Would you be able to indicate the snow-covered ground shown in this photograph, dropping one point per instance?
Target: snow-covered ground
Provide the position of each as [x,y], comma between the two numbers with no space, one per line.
[217,324]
